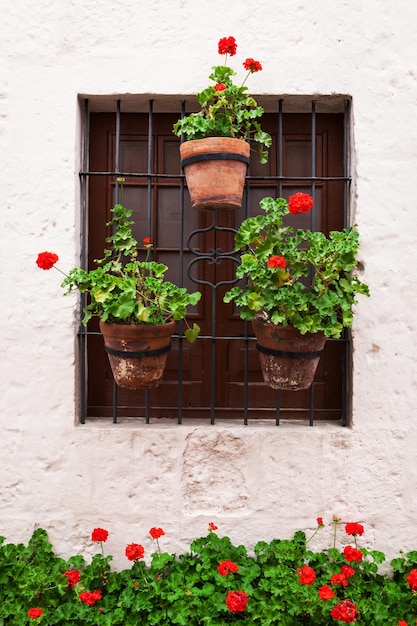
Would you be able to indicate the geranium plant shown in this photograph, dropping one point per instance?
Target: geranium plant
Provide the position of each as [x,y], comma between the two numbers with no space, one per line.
[297,277]
[122,288]
[283,582]
[227,110]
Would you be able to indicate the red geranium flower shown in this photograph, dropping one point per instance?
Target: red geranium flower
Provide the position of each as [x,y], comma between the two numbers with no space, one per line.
[46,260]
[73,577]
[227,567]
[146,240]
[236,601]
[338,579]
[134,551]
[347,571]
[352,554]
[326,593]
[220,87]
[277,261]
[402,623]
[227,45]
[90,597]
[155,533]
[212,526]
[252,66]
[412,579]
[99,534]
[353,528]
[307,575]
[300,203]
[345,611]
[35,612]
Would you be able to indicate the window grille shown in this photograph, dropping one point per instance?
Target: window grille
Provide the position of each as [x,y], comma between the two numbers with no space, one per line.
[312,179]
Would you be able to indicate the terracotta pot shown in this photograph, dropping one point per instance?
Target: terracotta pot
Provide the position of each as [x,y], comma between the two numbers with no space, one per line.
[137,354]
[288,359]
[215,170]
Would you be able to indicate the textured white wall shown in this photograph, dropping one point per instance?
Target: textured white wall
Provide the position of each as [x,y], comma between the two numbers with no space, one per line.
[254,482]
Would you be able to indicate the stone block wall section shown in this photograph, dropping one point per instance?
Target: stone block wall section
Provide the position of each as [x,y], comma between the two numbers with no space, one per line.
[253,482]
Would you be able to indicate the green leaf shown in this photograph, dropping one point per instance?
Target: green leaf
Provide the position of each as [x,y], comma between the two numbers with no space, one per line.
[192,333]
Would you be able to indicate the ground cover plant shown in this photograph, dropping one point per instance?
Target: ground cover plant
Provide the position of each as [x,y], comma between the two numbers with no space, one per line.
[283,582]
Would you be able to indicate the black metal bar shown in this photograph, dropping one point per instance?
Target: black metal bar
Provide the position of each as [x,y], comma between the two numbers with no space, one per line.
[117,147]
[313,214]
[181,279]
[249,177]
[313,160]
[114,402]
[346,181]
[346,366]
[279,148]
[280,180]
[246,334]
[150,171]
[148,406]
[277,407]
[83,260]
[213,342]
[116,200]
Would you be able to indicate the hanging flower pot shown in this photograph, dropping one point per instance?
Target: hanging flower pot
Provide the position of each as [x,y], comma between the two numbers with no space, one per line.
[137,354]
[215,170]
[288,359]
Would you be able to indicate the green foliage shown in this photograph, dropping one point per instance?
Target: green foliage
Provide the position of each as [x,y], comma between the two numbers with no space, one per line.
[189,589]
[124,289]
[314,291]
[231,112]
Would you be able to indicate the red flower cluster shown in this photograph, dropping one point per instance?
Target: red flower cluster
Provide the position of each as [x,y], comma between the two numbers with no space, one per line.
[326,593]
[212,526]
[227,45]
[307,575]
[345,611]
[276,261]
[347,571]
[226,567]
[99,534]
[236,601]
[46,260]
[402,623]
[155,533]
[412,579]
[352,554]
[341,578]
[252,65]
[338,579]
[353,528]
[300,203]
[90,597]
[134,551]
[35,612]
[73,577]
[320,521]
[220,87]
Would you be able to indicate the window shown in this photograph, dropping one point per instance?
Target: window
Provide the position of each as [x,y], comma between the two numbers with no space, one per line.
[218,377]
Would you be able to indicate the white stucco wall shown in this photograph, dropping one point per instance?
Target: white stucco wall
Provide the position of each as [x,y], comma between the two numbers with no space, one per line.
[253,482]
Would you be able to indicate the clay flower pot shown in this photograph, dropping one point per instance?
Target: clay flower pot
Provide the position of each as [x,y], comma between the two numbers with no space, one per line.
[215,170]
[288,359]
[137,354]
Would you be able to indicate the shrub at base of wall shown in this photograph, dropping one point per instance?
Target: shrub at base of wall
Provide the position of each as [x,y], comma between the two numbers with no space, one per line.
[284,582]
